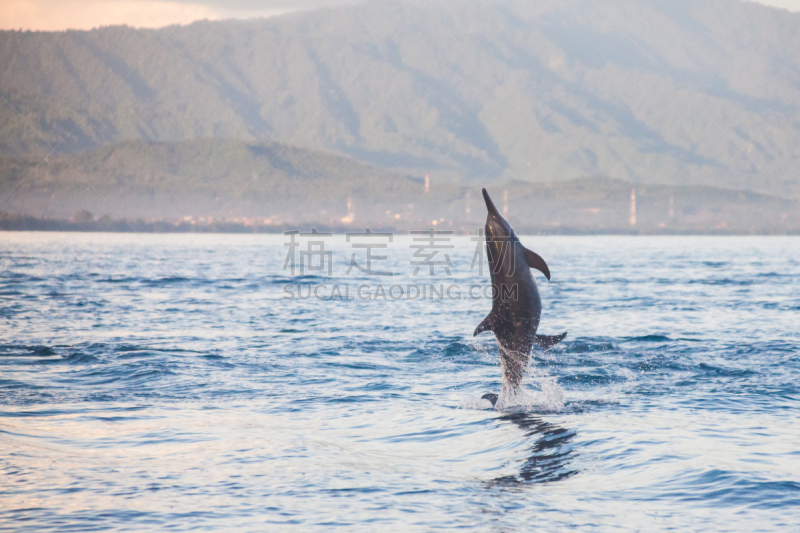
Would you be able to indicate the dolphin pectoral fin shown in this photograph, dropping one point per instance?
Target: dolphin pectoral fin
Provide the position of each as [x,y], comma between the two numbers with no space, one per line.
[546,341]
[486,325]
[535,261]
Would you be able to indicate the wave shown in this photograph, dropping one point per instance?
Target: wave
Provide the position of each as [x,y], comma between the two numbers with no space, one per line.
[648,338]
[21,350]
[727,488]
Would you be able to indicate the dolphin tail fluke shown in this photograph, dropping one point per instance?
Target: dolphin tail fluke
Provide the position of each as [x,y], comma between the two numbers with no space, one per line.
[546,341]
[486,325]
[492,397]
[535,261]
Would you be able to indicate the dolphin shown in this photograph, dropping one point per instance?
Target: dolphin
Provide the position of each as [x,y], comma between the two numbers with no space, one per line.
[516,305]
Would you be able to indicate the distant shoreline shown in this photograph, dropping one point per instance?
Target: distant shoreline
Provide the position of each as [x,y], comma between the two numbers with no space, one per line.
[29,223]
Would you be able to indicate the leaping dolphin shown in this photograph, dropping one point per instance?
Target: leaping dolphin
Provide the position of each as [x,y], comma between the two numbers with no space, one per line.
[516,305]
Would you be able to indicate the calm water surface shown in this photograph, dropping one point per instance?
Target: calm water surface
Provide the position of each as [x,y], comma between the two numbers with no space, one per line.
[164,382]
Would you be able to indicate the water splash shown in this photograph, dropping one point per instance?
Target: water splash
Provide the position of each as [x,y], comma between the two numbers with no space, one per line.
[538,393]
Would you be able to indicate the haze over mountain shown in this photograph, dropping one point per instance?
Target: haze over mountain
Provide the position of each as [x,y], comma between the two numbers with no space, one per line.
[217,178]
[233,185]
[673,92]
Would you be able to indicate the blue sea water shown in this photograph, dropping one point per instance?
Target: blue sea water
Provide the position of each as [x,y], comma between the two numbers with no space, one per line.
[170,382]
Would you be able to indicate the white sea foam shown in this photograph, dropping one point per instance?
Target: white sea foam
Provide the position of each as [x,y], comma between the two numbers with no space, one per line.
[539,392]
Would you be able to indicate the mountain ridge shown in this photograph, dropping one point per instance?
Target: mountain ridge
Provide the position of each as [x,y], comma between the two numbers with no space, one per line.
[686,93]
[222,185]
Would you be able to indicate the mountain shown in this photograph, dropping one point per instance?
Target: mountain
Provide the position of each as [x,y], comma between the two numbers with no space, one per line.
[234,185]
[682,93]
[197,178]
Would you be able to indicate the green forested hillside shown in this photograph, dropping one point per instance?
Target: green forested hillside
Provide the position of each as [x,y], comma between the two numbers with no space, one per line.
[208,177]
[221,185]
[679,92]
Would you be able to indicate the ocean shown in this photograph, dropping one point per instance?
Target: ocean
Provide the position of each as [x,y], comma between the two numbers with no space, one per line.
[313,383]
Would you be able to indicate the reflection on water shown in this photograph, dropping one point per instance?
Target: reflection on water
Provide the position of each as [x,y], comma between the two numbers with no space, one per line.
[548,455]
[135,397]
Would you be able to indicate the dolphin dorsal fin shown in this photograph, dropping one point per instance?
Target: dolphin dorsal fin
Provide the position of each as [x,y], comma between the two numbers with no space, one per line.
[535,261]
[486,325]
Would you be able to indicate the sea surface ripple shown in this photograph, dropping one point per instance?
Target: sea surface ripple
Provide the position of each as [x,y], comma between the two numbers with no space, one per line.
[166,382]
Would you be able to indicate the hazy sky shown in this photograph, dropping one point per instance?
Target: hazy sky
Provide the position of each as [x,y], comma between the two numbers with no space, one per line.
[86,14]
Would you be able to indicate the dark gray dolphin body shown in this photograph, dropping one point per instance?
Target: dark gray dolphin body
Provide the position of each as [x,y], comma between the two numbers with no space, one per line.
[516,305]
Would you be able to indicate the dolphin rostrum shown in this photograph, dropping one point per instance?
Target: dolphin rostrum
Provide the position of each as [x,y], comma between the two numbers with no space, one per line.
[516,305]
